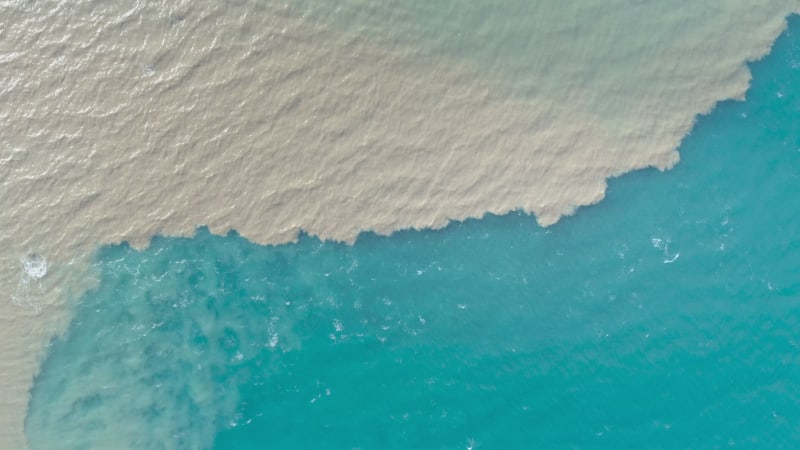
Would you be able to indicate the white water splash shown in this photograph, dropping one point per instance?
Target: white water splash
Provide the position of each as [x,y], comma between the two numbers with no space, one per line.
[34,266]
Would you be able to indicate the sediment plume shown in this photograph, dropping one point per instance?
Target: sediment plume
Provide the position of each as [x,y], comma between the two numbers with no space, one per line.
[120,122]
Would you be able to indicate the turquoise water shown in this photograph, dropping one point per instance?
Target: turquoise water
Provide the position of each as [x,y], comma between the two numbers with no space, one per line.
[667,316]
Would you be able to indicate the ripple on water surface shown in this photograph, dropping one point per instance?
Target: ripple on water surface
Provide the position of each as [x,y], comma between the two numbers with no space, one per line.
[665,316]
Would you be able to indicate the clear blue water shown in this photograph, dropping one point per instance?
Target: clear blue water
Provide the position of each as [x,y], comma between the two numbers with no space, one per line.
[667,316]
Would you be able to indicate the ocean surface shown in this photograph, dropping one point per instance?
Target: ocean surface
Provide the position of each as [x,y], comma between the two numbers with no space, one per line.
[123,121]
[666,316]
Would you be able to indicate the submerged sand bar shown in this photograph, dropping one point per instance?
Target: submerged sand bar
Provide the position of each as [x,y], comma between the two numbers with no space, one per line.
[120,122]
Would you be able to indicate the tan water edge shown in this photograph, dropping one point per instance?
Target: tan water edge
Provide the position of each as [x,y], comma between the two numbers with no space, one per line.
[121,121]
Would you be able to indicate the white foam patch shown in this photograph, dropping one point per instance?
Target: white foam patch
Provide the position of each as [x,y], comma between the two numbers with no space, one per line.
[35,266]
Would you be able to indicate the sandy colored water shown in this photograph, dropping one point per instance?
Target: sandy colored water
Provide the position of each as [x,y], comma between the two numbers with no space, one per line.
[120,122]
